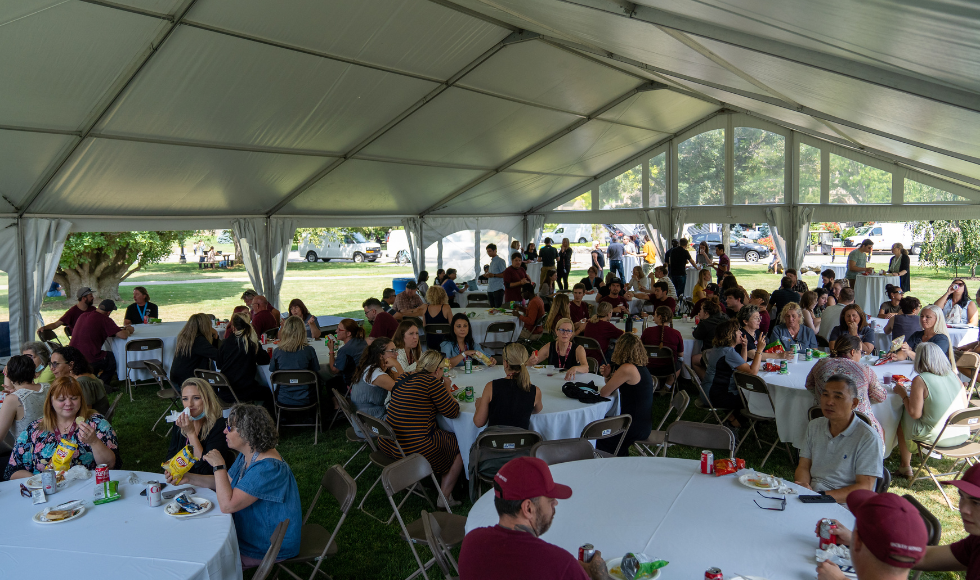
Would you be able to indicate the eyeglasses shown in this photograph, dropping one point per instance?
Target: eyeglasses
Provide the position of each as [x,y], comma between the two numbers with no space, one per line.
[229,428]
[55,364]
[392,350]
[24,491]
[565,330]
[781,500]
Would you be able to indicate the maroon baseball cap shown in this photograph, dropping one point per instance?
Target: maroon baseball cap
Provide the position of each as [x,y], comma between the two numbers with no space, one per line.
[889,526]
[969,483]
[526,478]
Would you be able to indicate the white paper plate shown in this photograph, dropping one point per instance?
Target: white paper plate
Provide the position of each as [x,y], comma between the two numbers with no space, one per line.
[610,564]
[77,513]
[34,482]
[744,480]
[172,508]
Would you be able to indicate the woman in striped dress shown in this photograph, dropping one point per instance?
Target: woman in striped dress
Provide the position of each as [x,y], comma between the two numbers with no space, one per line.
[415,400]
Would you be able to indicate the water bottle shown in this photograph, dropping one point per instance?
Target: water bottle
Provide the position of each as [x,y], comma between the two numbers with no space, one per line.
[469,365]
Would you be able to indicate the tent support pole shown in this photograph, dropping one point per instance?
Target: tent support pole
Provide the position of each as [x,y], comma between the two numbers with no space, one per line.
[26,316]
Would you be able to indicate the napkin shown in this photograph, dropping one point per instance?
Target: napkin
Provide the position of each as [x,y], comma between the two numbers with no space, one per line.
[78,472]
[172,418]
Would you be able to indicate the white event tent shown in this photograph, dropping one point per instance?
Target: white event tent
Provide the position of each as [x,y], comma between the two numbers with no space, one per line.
[480,118]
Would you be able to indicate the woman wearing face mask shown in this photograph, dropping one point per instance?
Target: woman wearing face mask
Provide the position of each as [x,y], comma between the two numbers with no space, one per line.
[203,429]
[24,402]
[42,361]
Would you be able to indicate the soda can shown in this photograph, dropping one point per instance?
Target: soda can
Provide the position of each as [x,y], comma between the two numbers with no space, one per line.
[270,351]
[585,553]
[101,473]
[146,319]
[469,394]
[49,481]
[153,493]
[783,367]
[824,535]
[808,354]
[707,462]
[468,365]
[713,574]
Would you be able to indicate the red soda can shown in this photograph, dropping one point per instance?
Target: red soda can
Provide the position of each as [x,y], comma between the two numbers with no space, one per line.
[101,473]
[585,553]
[825,529]
[146,319]
[707,462]
[270,351]
[713,574]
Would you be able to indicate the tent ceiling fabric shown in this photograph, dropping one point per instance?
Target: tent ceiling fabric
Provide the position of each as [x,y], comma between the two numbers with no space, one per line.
[396,108]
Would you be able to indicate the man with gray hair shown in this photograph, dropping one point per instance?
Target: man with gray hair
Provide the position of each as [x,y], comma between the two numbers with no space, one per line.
[842,453]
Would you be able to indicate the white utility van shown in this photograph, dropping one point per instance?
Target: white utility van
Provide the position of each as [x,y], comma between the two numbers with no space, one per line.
[397,246]
[347,246]
[576,233]
[884,235]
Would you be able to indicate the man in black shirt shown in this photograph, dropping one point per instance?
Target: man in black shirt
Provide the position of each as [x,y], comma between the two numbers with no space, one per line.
[548,255]
[783,296]
[677,267]
[598,259]
[616,252]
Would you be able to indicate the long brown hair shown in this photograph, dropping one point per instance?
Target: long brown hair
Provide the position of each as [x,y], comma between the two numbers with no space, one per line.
[373,357]
[559,310]
[863,319]
[399,340]
[302,309]
[351,326]
[197,325]
[68,387]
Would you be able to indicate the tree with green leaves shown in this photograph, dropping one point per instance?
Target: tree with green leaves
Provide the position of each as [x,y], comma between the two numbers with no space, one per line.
[949,243]
[101,260]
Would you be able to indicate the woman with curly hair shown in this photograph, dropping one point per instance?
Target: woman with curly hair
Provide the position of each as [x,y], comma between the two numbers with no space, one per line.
[629,375]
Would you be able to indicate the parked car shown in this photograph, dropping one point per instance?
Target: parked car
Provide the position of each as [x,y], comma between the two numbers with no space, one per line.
[349,246]
[884,235]
[740,248]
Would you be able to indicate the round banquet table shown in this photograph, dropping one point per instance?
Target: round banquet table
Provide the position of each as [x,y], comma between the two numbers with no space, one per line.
[663,507]
[124,539]
[840,270]
[792,401]
[869,291]
[560,418]
[166,331]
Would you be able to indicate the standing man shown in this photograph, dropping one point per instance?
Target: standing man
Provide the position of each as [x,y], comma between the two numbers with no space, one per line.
[857,262]
[85,300]
[615,251]
[724,262]
[677,270]
[649,255]
[549,256]
[495,285]
[515,278]
[90,333]
[598,259]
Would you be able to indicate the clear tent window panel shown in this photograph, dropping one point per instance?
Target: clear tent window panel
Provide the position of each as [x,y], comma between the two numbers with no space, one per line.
[701,169]
[580,203]
[623,191]
[852,182]
[658,181]
[809,174]
[916,192]
[760,166]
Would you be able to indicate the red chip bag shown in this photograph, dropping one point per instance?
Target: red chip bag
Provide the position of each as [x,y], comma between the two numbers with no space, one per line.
[728,466]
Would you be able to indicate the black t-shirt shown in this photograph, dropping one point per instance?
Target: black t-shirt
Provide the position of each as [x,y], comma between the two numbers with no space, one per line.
[679,258]
[238,363]
[215,439]
[599,258]
[133,312]
[781,298]
[548,255]
[511,405]
[184,365]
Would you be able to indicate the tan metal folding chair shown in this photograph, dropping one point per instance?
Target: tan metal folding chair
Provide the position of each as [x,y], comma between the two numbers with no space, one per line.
[666,354]
[345,407]
[752,387]
[700,436]
[496,444]
[658,437]
[112,408]
[304,378]
[141,345]
[933,526]
[440,551]
[969,450]
[563,450]
[968,364]
[275,543]
[373,428]
[704,403]
[607,428]
[493,346]
[219,382]
[590,344]
[167,390]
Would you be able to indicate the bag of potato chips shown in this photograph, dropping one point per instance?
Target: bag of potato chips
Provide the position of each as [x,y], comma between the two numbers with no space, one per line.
[61,460]
[180,464]
[481,357]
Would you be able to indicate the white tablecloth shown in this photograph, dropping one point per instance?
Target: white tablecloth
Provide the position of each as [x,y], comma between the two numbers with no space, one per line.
[124,539]
[840,270]
[561,417]
[792,401]
[166,331]
[534,273]
[691,282]
[666,508]
[958,336]
[869,291]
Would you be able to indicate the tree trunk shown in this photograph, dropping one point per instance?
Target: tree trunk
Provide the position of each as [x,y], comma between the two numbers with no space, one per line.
[238,249]
[103,280]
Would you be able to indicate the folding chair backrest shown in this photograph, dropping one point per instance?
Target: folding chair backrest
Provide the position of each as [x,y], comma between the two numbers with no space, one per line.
[587,343]
[969,417]
[593,365]
[678,403]
[273,552]
[440,551]
[143,345]
[47,334]
[440,329]
[608,427]
[753,388]
[112,408]
[504,441]
[884,480]
[933,526]
[659,353]
[968,364]
[496,327]
[405,473]
[293,378]
[374,427]
[215,379]
[271,333]
[701,435]
[478,296]
[159,374]
[814,412]
[822,342]
[563,450]
[341,486]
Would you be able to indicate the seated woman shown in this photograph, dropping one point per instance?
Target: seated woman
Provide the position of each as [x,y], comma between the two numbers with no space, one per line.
[561,353]
[906,322]
[516,398]
[629,375]
[599,327]
[39,352]
[729,354]
[710,316]
[409,346]
[258,488]
[704,278]
[662,334]
[68,361]
[437,312]
[933,330]
[845,359]
[415,400]
[238,359]
[63,404]
[374,378]
[24,402]
[956,306]
[344,361]
[295,354]
[230,328]
[808,302]
[792,330]
[592,282]
[853,322]
[203,429]
[462,345]
[560,308]
[892,306]
[935,393]
[548,285]
[750,323]
[197,345]
[299,310]
[638,281]
[821,304]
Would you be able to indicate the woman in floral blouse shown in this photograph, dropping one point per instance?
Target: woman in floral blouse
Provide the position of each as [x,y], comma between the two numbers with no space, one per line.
[64,403]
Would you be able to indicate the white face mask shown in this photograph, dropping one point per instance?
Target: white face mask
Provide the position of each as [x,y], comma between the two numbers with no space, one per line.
[38,369]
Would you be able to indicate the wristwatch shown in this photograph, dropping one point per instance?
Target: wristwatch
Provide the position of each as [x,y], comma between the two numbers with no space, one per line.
[219,467]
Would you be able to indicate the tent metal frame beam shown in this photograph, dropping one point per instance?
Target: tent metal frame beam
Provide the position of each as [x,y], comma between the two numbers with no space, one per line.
[103,107]
[649,86]
[132,9]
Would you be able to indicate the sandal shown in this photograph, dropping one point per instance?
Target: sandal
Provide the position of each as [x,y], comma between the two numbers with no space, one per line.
[903,473]
[452,503]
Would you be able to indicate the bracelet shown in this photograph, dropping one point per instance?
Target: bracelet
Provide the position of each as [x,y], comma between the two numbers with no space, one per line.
[218,467]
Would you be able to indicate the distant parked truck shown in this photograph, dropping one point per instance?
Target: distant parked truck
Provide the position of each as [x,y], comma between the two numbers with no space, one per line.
[576,233]
[347,246]
[884,235]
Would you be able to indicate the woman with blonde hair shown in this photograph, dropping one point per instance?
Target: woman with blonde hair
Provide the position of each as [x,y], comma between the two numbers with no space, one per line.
[559,309]
[516,398]
[638,281]
[791,329]
[561,353]
[202,427]
[933,330]
[704,278]
[437,311]
[416,399]
[295,354]
[196,347]
[64,405]
[601,329]
[409,346]
[629,375]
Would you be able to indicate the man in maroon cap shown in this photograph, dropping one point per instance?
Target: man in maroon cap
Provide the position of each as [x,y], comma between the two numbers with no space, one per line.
[961,555]
[525,496]
[888,540]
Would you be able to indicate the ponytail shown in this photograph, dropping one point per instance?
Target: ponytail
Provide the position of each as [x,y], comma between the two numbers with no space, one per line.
[602,310]
[515,356]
